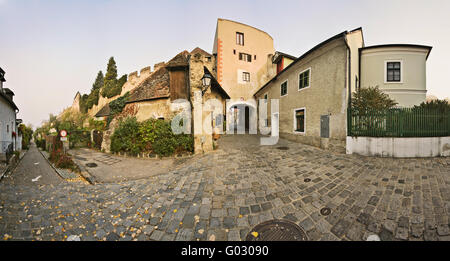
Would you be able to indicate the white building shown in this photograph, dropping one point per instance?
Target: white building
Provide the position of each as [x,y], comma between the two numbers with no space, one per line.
[8,121]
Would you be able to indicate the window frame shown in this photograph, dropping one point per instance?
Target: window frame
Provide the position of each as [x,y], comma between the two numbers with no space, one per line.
[245,57]
[386,71]
[309,80]
[238,38]
[243,78]
[287,87]
[295,121]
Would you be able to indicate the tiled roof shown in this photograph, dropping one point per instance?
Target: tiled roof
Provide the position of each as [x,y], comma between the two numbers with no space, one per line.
[200,50]
[154,87]
[105,111]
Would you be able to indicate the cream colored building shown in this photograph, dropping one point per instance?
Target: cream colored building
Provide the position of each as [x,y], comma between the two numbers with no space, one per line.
[399,70]
[241,52]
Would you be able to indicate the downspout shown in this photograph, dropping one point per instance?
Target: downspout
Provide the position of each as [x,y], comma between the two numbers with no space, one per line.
[349,67]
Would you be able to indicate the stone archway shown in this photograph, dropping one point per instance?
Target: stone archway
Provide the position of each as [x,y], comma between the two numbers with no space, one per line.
[241,117]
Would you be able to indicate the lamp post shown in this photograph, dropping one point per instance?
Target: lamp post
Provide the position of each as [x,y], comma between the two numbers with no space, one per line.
[206,82]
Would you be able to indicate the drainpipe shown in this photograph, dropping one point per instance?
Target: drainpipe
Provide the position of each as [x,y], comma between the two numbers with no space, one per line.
[348,65]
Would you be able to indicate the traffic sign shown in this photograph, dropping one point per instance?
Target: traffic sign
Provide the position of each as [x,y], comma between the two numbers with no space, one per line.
[63,133]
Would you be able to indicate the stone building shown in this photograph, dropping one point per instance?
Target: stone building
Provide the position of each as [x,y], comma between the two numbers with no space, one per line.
[178,79]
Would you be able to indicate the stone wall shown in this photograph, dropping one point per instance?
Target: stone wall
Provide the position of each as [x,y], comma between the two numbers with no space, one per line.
[134,80]
[399,147]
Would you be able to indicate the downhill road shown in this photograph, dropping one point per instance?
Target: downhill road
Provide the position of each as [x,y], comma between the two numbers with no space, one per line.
[33,170]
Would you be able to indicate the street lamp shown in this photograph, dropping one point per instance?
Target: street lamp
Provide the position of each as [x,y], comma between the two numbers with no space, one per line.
[206,81]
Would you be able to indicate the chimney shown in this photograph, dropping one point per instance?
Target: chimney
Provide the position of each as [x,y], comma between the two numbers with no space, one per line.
[8,93]
[2,78]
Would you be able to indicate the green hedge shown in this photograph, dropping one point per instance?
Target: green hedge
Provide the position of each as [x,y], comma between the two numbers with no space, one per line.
[153,136]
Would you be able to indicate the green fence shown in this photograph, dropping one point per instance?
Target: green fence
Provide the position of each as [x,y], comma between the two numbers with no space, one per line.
[402,122]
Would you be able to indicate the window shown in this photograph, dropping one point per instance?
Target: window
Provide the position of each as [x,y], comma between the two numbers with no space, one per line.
[246,76]
[266,97]
[303,79]
[284,88]
[299,120]
[234,51]
[254,57]
[245,57]
[239,38]
[7,128]
[393,73]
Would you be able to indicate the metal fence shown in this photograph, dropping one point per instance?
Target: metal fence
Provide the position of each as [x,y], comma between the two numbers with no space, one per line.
[399,122]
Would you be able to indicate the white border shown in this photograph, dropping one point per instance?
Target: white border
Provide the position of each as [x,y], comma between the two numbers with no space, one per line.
[298,79]
[385,71]
[295,121]
[287,87]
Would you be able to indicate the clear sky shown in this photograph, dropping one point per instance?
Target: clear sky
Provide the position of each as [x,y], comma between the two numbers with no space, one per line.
[50,49]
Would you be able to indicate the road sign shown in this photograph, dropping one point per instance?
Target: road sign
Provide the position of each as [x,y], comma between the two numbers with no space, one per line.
[63,133]
[63,138]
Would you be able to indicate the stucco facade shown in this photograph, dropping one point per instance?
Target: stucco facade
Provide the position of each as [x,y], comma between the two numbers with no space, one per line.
[230,69]
[325,95]
[8,120]
[411,89]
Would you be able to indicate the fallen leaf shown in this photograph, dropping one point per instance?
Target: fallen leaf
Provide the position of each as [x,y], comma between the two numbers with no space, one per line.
[255,234]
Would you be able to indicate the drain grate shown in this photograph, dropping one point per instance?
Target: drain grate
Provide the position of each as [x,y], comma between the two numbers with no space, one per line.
[325,211]
[283,148]
[277,230]
[80,158]
[91,165]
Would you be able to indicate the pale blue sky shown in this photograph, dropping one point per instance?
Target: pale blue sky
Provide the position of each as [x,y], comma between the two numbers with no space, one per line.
[50,49]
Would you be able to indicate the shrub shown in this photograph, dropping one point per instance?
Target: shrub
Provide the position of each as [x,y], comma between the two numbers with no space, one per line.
[441,106]
[152,135]
[126,137]
[61,160]
[371,98]
[117,106]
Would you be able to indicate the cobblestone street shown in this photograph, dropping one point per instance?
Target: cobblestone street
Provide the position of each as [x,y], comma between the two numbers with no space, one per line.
[222,195]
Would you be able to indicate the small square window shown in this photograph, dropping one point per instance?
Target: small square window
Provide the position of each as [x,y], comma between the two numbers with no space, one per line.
[393,73]
[245,57]
[246,76]
[303,79]
[283,88]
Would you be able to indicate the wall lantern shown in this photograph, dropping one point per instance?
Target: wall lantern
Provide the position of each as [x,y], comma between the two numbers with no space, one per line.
[206,81]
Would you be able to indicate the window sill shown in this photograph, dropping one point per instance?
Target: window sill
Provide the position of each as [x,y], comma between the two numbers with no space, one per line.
[299,132]
[393,82]
[283,95]
[304,88]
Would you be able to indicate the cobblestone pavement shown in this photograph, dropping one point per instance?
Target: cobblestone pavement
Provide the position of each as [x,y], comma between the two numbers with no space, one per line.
[33,166]
[222,195]
[112,168]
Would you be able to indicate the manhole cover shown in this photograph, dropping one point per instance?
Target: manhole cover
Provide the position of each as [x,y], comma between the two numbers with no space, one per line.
[80,158]
[307,180]
[277,230]
[91,165]
[282,148]
[325,211]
